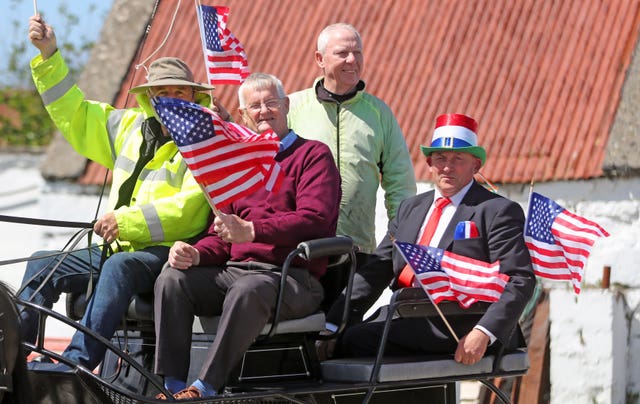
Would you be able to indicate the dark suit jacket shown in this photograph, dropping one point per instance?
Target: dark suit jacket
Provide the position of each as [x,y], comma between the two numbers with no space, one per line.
[500,224]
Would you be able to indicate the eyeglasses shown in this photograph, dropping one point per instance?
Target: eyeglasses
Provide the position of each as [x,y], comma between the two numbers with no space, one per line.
[271,104]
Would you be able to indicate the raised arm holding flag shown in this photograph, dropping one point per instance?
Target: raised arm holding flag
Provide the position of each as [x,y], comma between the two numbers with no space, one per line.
[152,192]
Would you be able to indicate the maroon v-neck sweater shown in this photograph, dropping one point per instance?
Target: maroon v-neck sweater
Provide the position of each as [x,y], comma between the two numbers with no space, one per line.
[305,207]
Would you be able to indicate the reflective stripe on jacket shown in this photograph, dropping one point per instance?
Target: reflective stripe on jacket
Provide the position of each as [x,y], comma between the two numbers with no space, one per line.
[167,204]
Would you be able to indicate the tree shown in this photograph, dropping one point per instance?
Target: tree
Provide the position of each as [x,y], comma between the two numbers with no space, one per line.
[23,119]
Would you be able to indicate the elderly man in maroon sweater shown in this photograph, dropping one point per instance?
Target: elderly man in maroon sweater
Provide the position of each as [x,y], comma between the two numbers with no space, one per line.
[230,270]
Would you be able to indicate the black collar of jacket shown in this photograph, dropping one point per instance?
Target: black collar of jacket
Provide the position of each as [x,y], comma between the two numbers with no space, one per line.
[325,95]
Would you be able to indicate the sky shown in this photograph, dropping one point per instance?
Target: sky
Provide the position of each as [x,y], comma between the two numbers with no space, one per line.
[14,22]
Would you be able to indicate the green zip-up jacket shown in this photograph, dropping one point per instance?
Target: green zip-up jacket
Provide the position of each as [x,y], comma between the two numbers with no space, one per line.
[167,204]
[369,148]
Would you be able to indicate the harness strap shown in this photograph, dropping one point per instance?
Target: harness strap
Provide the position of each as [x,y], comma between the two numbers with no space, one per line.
[46,222]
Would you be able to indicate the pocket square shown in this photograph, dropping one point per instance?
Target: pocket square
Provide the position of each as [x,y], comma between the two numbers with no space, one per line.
[466,229]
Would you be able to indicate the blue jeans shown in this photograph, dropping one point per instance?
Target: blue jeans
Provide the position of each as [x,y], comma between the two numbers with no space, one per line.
[123,275]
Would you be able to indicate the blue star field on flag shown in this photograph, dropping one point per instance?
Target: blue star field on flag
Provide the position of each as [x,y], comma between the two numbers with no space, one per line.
[543,212]
[210,21]
[421,258]
[186,121]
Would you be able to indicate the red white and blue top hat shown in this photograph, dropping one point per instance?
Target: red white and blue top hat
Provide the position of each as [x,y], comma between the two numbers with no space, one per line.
[455,132]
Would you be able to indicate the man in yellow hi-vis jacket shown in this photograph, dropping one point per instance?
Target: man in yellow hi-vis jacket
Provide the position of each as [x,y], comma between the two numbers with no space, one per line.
[154,199]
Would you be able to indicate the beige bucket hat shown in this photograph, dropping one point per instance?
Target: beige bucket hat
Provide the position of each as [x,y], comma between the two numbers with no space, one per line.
[170,71]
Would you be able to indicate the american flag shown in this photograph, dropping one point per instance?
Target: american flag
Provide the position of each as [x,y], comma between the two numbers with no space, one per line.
[559,241]
[227,159]
[224,57]
[448,276]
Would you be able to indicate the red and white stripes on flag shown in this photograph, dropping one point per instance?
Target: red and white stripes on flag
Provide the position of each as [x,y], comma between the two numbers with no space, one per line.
[224,56]
[233,165]
[559,241]
[448,276]
[228,160]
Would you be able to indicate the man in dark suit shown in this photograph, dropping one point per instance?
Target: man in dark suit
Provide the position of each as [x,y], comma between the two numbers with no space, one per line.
[496,225]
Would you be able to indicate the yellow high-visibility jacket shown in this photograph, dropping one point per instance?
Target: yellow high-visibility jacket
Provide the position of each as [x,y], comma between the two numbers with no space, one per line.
[167,204]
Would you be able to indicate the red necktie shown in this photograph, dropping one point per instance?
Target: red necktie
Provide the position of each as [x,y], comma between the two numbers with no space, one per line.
[406,276]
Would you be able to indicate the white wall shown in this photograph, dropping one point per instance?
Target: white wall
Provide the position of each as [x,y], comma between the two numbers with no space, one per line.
[26,194]
[588,347]
[21,187]
[632,317]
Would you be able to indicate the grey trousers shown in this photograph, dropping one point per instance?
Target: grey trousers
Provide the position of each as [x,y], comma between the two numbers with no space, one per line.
[243,294]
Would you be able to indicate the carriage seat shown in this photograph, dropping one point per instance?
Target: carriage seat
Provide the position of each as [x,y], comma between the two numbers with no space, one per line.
[412,302]
[394,369]
[340,250]
[140,308]
[312,323]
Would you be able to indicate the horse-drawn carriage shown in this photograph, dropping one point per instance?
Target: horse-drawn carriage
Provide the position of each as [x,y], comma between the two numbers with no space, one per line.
[280,367]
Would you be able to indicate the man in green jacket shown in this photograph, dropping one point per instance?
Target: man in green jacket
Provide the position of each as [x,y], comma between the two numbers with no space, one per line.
[362,133]
[154,199]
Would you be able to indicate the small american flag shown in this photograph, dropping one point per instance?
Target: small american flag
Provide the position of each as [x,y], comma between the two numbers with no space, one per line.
[227,159]
[448,276]
[559,241]
[224,57]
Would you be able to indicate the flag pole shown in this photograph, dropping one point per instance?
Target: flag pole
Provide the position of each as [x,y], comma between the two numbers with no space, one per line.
[455,336]
[199,17]
[214,209]
[35,7]
[492,187]
[203,41]
[440,313]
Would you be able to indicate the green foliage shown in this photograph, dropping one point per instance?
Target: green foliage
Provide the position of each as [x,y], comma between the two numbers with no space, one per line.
[23,119]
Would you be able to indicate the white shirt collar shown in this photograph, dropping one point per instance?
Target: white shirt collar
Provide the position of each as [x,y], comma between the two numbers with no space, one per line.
[457,198]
